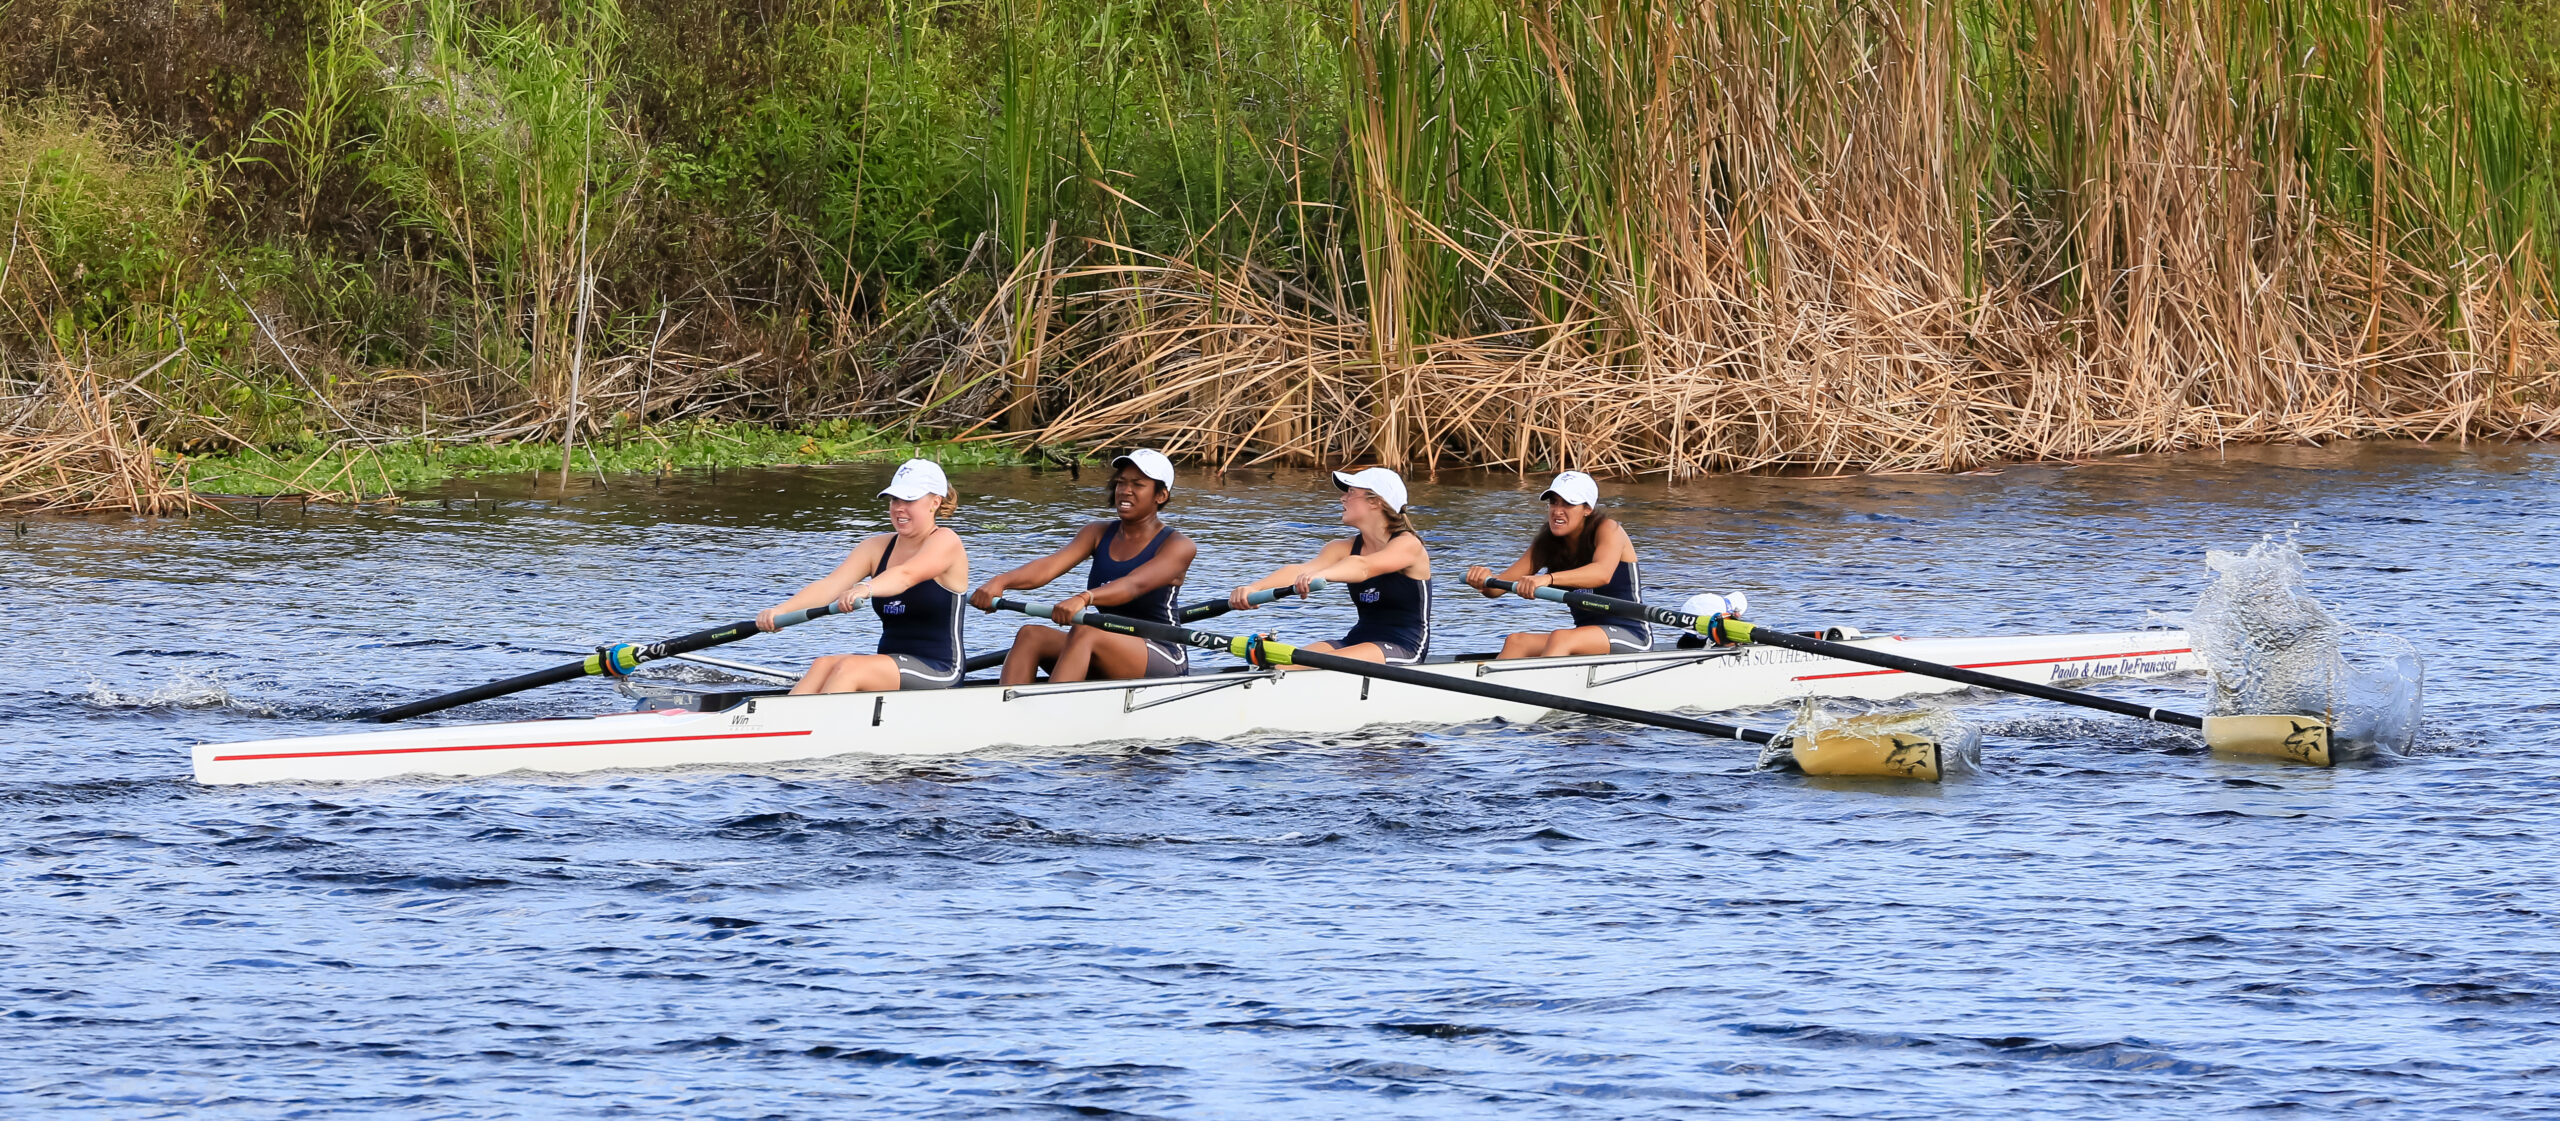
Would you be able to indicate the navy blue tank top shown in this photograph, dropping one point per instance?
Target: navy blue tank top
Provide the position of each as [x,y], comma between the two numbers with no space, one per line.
[1155,606]
[1626,583]
[921,622]
[1394,609]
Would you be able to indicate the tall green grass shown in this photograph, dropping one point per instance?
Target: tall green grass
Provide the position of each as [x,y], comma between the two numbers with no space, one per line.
[2177,186]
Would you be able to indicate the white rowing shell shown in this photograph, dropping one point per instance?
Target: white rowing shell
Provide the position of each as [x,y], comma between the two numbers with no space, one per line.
[1206,707]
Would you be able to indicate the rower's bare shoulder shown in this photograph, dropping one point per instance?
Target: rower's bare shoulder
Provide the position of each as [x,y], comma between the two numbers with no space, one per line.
[1615,542]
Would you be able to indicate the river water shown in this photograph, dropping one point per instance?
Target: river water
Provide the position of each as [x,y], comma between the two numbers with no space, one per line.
[1564,921]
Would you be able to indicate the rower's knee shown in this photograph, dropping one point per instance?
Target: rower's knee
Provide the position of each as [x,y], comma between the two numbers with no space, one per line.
[869,677]
[1523,646]
[1579,640]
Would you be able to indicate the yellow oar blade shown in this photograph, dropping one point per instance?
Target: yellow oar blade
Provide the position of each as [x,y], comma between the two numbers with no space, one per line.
[2295,739]
[1916,747]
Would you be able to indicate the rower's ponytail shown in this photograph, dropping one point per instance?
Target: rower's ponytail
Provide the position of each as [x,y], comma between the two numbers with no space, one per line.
[1397,522]
[950,504]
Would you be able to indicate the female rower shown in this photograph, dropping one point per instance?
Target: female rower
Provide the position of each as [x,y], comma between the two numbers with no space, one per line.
[1138,565]
[914,577]
[1578,547]
[1384,565]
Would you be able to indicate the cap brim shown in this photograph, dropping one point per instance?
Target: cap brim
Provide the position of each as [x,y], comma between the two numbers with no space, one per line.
[919,493]
[1127,461]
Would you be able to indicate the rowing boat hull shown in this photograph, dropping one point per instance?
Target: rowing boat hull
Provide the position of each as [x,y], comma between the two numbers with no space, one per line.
[1208,707]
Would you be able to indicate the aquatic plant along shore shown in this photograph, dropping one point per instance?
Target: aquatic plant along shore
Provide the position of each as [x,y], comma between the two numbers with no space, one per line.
[1635,236]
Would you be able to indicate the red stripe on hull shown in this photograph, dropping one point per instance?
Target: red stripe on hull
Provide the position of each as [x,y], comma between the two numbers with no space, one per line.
[1996,665]
[496,746]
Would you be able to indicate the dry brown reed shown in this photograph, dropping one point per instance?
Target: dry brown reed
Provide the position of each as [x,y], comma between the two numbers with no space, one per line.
[69,447]
[1800,278]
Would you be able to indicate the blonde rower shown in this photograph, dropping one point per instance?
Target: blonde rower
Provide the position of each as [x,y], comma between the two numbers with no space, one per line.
[914,577]
[1383,564]
[1578,547]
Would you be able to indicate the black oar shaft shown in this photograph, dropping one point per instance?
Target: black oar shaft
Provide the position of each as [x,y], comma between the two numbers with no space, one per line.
[1284,654]
[1766,637]
[596,664]
[1208,609]
[1428,680]
[1738,630]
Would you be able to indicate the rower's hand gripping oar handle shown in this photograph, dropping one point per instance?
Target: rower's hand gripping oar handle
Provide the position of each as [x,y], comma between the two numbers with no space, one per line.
[617,660]
[2303,739]
[1212,608]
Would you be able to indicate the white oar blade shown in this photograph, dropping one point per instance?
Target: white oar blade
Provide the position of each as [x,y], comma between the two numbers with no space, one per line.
[2294,739]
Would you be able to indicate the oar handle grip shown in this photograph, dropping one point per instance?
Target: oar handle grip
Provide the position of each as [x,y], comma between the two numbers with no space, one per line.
[1622,608]
[1266,595]
[803,615]
[1036,609]
[1212,608]
[1205,609]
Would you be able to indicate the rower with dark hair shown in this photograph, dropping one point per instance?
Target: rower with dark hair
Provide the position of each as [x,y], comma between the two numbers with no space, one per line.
[1138,565]
[1577,547]
[1384,566]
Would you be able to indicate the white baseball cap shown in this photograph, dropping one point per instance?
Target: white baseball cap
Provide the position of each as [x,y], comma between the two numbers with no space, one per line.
[1150,463]
[1731,605]
[1376,480]
[1576,488]
[915,479]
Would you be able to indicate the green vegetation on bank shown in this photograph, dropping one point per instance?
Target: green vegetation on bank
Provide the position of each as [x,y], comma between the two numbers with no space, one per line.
[348,471]
[258,218]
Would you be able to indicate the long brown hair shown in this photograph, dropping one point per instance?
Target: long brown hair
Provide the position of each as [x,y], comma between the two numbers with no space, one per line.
[1397,522]
[1553,553]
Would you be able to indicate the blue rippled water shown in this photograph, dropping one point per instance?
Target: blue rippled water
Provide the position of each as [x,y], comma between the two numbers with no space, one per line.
[1573,920]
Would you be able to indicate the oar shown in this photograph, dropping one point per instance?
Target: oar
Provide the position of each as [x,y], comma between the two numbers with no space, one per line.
[1205,609]
[1212,608]
[2301,739]
[613,661]
[1835,751]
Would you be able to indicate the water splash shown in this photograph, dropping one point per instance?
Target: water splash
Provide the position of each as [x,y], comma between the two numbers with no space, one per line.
[189,688]
[2273,647]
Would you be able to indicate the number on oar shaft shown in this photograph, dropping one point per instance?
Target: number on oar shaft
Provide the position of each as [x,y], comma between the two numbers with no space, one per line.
[614,661]
[2303,739]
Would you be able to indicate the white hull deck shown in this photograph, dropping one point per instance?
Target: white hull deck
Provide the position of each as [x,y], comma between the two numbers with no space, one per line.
[1209,706]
